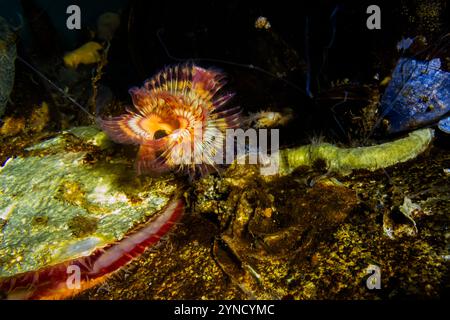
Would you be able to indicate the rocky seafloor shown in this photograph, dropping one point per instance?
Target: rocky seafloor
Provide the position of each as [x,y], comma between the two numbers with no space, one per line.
[304,236]
[307,235]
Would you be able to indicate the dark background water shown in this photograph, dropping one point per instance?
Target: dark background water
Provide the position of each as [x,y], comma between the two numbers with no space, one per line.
[310,44]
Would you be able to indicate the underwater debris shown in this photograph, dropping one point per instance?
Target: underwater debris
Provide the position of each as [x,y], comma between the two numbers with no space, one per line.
[39,118]
[12,126]
[86,54]
[271,221]
[104,97]
[87,206]
[404,44]
[107,24]
[7,62]
[262,23]
[417,95]
[409,210]
[270,119]
[180,116]
[97,89]
[385,81]
[345,160]
[429,17]
[92,135]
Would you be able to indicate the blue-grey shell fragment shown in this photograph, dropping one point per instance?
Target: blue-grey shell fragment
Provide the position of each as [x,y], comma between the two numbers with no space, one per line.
[444,125]
[404,44]
[7,60]
[417,95]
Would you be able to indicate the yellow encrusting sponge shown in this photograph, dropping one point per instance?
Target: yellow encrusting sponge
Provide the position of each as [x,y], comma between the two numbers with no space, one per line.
[86,54]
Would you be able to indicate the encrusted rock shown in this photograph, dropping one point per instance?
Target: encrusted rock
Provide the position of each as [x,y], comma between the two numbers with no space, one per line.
[55,205]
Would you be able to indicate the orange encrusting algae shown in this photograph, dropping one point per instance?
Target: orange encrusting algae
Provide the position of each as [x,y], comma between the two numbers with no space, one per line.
[180,113]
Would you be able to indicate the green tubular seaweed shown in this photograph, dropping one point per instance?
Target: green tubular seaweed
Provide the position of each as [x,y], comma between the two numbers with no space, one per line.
[345,160]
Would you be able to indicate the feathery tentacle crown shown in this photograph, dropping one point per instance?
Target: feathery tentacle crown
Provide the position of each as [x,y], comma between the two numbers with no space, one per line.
[179,120]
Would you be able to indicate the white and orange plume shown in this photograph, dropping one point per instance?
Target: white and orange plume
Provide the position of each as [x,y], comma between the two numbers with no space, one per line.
[180,113]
